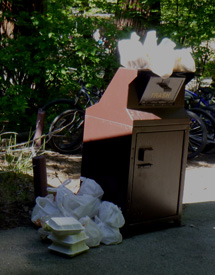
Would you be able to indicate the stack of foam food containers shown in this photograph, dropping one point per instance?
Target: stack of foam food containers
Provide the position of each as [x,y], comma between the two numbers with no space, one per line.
[67,236]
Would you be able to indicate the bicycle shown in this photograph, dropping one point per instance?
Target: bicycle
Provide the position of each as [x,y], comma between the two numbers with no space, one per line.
[65,133]
[202,98]
[203,106]
[197,135]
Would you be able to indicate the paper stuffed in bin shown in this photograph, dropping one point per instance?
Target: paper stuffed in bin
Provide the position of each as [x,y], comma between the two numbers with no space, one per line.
[162,59]
[131,53]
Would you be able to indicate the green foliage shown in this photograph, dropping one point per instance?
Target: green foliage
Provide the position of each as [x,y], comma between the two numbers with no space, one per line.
[36,62]
[13,157]
[190,24]
[16,188]
[36,59]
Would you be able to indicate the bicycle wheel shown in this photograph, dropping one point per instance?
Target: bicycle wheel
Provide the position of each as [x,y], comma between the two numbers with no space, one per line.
[210,109]
[66,132]
[56,107]
[197,135]
[209,123]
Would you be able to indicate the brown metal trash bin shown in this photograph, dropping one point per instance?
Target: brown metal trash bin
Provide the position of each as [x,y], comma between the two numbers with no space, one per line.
[135,145]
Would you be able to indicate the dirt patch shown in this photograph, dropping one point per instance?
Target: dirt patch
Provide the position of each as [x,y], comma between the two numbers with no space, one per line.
[61,167]
[17,199]
[17,190]
[203,160]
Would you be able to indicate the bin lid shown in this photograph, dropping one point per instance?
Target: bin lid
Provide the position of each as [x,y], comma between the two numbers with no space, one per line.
[160,90]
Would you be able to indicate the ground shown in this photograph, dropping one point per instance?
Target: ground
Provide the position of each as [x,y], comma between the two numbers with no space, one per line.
[17,190]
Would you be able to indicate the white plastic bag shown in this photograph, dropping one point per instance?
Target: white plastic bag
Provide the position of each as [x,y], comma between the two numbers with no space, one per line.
[184,61]
[163,59]
[77,206]
[90,187]
[149,47]
[63,197]
[110,235]
[92,231]
[111,215]
[87,206]
[131,52]
[157,58]
[45,207]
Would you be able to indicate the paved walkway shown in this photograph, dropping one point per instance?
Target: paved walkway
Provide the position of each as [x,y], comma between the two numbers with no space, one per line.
[187,250]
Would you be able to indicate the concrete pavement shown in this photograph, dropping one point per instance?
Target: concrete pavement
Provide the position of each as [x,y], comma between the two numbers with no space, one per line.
[187,250]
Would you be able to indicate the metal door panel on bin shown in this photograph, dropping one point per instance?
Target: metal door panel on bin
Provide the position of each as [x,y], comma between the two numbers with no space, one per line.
[156,175]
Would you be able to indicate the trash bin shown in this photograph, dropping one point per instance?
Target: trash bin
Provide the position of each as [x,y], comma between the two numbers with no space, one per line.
[135,145]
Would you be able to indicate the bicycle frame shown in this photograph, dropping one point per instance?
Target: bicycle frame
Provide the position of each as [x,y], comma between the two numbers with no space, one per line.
[200,101]
[90,97]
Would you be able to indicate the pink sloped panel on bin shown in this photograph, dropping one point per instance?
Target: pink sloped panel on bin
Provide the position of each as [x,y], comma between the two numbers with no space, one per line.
[99,128]
[110,117]
[113,104]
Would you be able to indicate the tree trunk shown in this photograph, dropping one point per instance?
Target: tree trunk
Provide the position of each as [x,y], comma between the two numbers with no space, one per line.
[137,15]
[7,25]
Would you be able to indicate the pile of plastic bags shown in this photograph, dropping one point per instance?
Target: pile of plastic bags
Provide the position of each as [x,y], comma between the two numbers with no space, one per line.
[162,59]
[101,219]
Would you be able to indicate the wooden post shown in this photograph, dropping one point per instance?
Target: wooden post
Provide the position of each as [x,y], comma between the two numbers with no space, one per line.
[40,176]
[39,128]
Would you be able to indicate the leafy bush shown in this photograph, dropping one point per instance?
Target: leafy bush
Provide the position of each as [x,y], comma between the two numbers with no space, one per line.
[36,60]
[191,24]
[35,64]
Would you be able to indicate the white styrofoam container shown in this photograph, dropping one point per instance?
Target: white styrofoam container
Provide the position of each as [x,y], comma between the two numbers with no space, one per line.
[72,250]
[68,240]
[65,225]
